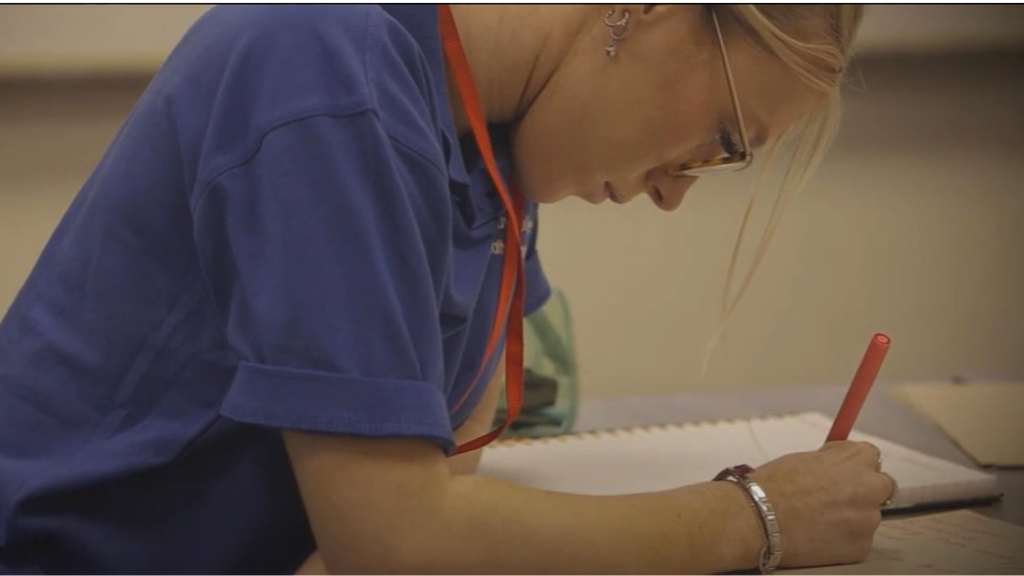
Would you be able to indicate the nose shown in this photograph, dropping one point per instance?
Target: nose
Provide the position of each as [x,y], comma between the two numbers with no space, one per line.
[666,191]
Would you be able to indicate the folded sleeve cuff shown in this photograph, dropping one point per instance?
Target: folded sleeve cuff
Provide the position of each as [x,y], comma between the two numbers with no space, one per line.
[335,403]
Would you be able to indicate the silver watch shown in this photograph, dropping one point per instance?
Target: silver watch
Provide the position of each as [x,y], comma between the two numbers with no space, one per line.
[771,554]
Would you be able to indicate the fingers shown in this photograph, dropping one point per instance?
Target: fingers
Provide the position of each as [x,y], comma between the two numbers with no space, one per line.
[892,488]
[870,453]
[864,452]
[878,487]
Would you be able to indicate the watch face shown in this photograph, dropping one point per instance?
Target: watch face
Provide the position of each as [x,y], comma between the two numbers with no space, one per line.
[758,492]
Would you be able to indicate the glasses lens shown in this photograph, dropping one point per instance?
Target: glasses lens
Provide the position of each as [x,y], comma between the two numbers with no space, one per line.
[723,166]
[710,170]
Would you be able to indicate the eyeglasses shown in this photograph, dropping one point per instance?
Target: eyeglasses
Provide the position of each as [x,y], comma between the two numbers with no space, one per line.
[733,159]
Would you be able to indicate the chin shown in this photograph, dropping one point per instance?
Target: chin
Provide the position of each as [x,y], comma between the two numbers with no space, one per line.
[550,196]
[540,176]
[543,191]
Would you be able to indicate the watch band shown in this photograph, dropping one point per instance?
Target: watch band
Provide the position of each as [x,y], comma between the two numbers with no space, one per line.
[771,553]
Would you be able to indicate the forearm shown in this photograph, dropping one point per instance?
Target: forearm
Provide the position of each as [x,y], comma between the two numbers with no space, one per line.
[450,521]
[489,526]
[462,464]
[701,528]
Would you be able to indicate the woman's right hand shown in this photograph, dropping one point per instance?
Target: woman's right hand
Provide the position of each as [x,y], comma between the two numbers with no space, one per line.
[828,502]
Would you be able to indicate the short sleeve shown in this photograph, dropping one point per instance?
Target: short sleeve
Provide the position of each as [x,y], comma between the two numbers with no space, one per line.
[537,288]
[324,252]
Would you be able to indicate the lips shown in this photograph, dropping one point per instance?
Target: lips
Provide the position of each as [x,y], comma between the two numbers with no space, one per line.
[610,191]
[658,198]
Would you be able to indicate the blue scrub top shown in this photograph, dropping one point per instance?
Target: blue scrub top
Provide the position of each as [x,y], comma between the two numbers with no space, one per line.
[286,233]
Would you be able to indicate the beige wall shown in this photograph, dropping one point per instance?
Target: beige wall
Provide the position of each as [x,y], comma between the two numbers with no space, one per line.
[41,40]
[912,227]
[889,28]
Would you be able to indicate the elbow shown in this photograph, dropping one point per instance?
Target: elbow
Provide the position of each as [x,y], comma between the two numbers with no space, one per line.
[406,552]
[423,540]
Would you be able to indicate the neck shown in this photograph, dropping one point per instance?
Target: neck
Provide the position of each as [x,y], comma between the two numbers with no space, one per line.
[513,51]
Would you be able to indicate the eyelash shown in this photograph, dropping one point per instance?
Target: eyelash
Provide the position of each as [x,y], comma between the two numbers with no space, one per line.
[726,140]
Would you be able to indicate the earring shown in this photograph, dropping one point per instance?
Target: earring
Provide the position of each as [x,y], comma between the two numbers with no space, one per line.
[617,30]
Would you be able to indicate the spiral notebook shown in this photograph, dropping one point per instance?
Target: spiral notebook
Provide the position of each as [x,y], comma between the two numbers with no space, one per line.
[662,457]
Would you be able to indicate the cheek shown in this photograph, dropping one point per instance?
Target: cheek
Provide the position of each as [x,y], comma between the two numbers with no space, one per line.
[537,174]
[559,151]
[570,154]
[617,129]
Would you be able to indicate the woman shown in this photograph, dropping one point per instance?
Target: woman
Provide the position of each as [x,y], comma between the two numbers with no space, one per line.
[266,333]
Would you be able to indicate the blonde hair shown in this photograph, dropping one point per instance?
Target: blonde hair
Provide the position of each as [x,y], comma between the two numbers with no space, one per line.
[820,63]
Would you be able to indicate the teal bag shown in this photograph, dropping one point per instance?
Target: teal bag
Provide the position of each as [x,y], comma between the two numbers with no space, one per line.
[550,385]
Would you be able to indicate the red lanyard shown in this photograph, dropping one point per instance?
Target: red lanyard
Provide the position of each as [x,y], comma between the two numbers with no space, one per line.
[513,283]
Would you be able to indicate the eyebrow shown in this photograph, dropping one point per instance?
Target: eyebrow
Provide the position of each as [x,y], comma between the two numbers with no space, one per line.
[757,135]
[756,130]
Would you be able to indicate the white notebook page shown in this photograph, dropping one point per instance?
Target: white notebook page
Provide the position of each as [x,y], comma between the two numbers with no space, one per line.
[665,457]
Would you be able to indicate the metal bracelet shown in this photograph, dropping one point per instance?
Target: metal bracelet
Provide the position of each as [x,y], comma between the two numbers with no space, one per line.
[771,554]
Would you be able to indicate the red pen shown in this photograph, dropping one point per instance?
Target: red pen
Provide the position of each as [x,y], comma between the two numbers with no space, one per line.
[859,388]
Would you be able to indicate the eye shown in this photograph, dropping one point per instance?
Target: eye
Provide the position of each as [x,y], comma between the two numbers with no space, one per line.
[727,141]
[710,151]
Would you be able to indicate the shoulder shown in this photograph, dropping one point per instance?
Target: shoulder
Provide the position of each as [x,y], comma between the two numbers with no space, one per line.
[270,26]
[279,48]
[254,69]
[349,48]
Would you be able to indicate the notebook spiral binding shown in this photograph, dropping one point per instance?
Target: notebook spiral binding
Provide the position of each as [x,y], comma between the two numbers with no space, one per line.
[631,431]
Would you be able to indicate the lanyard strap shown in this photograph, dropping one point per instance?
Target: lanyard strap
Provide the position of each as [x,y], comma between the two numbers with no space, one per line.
[513,283]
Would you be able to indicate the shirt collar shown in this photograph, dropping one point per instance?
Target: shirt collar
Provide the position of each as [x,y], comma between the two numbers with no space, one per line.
[484,203]
[471,184]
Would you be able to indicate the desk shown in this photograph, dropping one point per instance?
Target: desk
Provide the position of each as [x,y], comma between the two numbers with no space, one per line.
[881,416]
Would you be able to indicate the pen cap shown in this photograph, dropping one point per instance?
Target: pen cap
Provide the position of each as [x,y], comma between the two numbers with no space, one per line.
[870,364]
